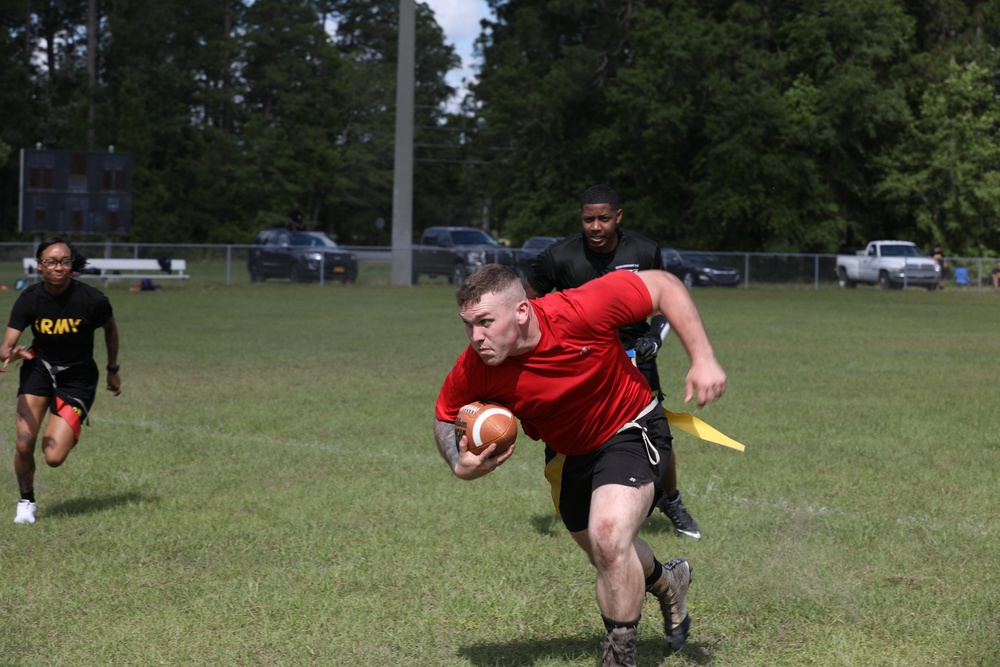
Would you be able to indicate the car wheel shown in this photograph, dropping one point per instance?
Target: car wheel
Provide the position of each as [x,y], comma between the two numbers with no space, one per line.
[842,279]
[256,273]
[688,279]
[298,274]
[457,275]
[883,280]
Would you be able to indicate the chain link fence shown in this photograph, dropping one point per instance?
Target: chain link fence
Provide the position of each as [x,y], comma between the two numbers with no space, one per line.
[218,265]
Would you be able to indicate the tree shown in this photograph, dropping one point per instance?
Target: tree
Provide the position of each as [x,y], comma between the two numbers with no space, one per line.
[793,120]
[293,105]
[163,67]
[746,125]
[367,37]
[540,93]
[945,174]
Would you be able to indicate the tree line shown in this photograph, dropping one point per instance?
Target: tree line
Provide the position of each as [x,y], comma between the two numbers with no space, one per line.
[762,125]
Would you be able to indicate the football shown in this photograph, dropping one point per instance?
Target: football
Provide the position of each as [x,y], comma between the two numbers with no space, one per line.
[486,422]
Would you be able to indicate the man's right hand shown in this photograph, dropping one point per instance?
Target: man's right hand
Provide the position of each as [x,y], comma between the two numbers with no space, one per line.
[472,466]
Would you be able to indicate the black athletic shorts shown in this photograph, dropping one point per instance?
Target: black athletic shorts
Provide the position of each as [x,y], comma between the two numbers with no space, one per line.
[624,459]
[76,385]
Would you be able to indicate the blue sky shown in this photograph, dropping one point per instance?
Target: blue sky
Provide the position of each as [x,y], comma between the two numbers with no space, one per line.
[460,21]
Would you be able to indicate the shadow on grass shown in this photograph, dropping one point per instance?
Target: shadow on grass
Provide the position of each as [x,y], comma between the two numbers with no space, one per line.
[577,649]
[658,523]
[89,505]
[550,525]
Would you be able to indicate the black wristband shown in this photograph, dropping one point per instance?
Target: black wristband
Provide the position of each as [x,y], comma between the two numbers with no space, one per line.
[115,368]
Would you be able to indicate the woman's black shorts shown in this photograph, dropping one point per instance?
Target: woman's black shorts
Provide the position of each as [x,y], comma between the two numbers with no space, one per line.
[76,385]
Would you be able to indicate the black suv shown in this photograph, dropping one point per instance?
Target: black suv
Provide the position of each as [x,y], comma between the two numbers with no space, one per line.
[530,251]
[298,256]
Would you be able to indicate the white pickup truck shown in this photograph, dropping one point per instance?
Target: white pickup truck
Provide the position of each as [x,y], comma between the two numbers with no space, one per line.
[890,264]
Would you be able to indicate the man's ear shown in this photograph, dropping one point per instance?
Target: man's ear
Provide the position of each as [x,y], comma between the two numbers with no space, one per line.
[523,311]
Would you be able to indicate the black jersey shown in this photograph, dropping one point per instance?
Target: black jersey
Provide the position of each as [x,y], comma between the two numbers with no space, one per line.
[570,263]
[62,325]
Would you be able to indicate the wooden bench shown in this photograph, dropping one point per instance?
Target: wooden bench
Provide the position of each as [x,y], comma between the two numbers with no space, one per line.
[109,269]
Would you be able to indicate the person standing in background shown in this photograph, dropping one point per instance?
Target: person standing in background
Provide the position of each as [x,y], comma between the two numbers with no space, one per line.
[296,219]
[938,256]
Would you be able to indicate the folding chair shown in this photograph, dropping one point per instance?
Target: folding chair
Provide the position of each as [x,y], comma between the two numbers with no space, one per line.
[962,277]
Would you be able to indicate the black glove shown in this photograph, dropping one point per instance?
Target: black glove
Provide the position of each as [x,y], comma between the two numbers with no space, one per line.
[646,347]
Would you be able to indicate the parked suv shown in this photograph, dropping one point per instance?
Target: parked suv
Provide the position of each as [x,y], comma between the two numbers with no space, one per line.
[456,252]
[298,256]
[531,249]
[699,269]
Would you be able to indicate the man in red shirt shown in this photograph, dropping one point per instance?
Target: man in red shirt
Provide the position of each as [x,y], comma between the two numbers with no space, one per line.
[558,364]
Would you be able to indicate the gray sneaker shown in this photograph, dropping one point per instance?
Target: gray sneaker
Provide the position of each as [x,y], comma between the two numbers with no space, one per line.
[671,590]
[619,648]
[684,524]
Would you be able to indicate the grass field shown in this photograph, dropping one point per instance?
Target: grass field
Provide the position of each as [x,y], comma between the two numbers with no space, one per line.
[267,492]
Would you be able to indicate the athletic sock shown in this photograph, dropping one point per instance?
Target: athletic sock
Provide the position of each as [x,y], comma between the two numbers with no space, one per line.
[655,576]
[610,625]
[30,496]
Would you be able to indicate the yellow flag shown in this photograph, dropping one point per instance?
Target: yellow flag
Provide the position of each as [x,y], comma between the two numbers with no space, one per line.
[699,429]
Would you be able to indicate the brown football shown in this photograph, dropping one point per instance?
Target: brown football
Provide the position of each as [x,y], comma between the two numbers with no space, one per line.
[486,422]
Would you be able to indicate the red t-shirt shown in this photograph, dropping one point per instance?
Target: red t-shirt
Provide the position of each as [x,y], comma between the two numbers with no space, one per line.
[577,387]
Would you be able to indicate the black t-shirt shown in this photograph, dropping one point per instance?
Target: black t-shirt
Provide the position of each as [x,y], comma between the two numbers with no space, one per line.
[570,263]
[62,325]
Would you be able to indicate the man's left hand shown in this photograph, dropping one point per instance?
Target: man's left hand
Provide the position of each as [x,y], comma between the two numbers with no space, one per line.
[646,347]
[707,380]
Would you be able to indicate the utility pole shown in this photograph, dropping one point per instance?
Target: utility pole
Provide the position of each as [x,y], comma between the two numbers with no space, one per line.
[91,73]
[402,189]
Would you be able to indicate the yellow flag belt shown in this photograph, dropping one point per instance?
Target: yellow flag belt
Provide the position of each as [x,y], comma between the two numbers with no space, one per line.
[699,429]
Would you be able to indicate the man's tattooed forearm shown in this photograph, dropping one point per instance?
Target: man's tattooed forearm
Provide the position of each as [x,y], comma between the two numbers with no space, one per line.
[444,433]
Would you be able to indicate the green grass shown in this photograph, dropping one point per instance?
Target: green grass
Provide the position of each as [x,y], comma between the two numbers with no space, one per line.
[267,492]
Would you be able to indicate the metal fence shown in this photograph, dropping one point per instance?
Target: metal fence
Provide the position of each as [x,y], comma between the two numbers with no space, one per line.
[218,264]
[818,271]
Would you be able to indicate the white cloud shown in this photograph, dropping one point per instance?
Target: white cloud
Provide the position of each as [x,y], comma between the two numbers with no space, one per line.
[459,19]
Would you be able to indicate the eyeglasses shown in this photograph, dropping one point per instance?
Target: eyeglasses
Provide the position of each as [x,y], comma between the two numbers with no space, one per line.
[66,263]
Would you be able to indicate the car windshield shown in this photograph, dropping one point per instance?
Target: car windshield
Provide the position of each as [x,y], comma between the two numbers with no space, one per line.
[699,259]
[312,240]
[472,237]
[900,250]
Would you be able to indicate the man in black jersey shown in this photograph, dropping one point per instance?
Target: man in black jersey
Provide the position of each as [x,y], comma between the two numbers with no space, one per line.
[602,247]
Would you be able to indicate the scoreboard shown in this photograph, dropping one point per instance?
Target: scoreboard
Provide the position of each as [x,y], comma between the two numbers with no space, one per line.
[75,192]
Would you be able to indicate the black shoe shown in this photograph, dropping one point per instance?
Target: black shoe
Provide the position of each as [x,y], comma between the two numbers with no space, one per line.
[683,522]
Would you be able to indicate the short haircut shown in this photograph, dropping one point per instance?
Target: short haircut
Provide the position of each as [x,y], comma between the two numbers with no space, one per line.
[79,260]
[490,279]
[600,194]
